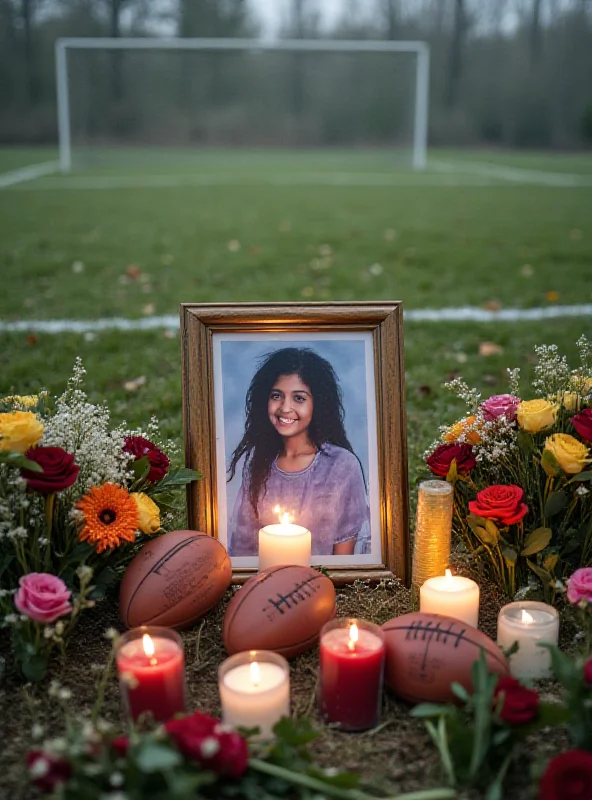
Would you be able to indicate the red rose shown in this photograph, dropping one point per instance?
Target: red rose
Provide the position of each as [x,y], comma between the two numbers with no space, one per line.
[59,470]
[567,777]
[501,503]
[47,771]
[443,456]
[205,740]
[520,704]
[582,422]
[121,746]
[588,671]
[139,447]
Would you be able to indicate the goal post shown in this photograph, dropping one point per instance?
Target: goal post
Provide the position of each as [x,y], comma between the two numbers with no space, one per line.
[417,49]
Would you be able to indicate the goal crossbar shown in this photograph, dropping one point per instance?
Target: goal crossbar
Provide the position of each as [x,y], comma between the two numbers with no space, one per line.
[422,72]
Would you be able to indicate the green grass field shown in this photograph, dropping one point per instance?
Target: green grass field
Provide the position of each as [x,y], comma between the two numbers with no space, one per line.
[269,231]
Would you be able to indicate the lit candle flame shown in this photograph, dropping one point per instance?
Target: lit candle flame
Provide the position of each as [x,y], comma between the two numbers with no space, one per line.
[255,673]
[527,618]
[354,635]
[148,645]
[448,575]
[284,517]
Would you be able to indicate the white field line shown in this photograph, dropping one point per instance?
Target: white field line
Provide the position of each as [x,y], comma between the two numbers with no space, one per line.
[171,321]
[97,182]
[512,174]
[18,176]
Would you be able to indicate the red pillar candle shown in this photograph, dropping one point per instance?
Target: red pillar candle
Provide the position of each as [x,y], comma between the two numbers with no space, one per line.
[151,669]
[351,665]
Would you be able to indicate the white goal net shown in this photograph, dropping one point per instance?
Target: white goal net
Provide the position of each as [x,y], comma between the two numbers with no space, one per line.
[140,100]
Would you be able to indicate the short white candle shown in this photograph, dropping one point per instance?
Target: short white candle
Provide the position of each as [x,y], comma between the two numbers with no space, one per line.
[284,543]
[452,596]
[528,623]
[255,691]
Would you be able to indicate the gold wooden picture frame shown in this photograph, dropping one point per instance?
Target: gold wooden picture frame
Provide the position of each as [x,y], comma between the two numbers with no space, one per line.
[223,346]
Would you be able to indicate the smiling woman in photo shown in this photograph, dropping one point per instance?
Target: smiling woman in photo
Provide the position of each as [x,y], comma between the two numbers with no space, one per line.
[297,456]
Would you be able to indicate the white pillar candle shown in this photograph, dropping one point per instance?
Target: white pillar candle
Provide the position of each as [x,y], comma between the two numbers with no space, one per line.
[452,596]
[254,690]
[528,623]
[284,543]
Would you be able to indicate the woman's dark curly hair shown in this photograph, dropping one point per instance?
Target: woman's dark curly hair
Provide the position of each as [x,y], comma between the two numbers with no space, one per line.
[261,442]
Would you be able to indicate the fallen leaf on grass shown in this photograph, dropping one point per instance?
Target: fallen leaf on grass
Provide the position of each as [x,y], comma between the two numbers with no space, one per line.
[133,272]
[492,305]
[490,349]
[135,384]
[552,296]
[233,245]
[169,333]
[31,339]
[148,309]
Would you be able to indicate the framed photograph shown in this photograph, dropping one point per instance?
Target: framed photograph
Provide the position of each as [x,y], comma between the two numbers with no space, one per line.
[298,411]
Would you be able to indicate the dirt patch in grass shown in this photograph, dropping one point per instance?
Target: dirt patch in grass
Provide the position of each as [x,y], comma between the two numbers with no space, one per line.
[397,756]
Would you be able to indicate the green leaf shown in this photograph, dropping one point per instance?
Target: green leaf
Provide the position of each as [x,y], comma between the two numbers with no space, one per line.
[424,710]
[566,670]
[510,556]
[452,475]
[541,573]
[34,667]
[550,464]
[20,461]
[525,443]
[178,477]
[152,757]
[460,692]
[489,535]
[141,468]
[536,541]
[556,502]
[582,476]
[295,732]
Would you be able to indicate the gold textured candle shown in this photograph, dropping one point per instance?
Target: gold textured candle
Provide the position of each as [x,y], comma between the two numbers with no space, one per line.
[431,549]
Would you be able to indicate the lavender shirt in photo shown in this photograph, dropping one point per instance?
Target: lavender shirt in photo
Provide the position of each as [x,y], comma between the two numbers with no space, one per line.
[328,497]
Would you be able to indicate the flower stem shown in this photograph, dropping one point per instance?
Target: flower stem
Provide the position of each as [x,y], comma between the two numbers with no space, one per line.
[49,504]
[328,790]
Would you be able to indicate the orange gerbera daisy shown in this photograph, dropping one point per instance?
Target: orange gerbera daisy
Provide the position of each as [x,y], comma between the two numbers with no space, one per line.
[110,516]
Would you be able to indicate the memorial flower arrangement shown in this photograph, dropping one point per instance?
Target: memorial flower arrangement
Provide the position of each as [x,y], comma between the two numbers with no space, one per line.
[77,498]
[478,739]
[521,474]
[187,757]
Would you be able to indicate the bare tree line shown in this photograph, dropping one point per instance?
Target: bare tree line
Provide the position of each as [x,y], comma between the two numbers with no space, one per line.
[503,72]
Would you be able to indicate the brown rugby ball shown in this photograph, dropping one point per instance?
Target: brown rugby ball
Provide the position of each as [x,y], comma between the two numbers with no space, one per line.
[174,580]
[425,653]
[283,609]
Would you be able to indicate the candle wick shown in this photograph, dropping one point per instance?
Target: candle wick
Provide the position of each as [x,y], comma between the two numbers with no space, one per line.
[153,662]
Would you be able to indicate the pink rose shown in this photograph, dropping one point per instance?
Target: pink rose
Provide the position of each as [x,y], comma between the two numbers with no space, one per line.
[501,405]
[579,585]
[43,597]
[582,422]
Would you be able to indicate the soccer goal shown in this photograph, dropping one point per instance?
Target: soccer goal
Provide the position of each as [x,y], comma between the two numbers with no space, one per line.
[146,98]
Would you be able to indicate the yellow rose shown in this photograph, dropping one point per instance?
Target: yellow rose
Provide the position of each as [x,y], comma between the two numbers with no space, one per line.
[535,415]
[24,401]
[570,454]
[570,400]
[148,513]
[471,436]
[19,430]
